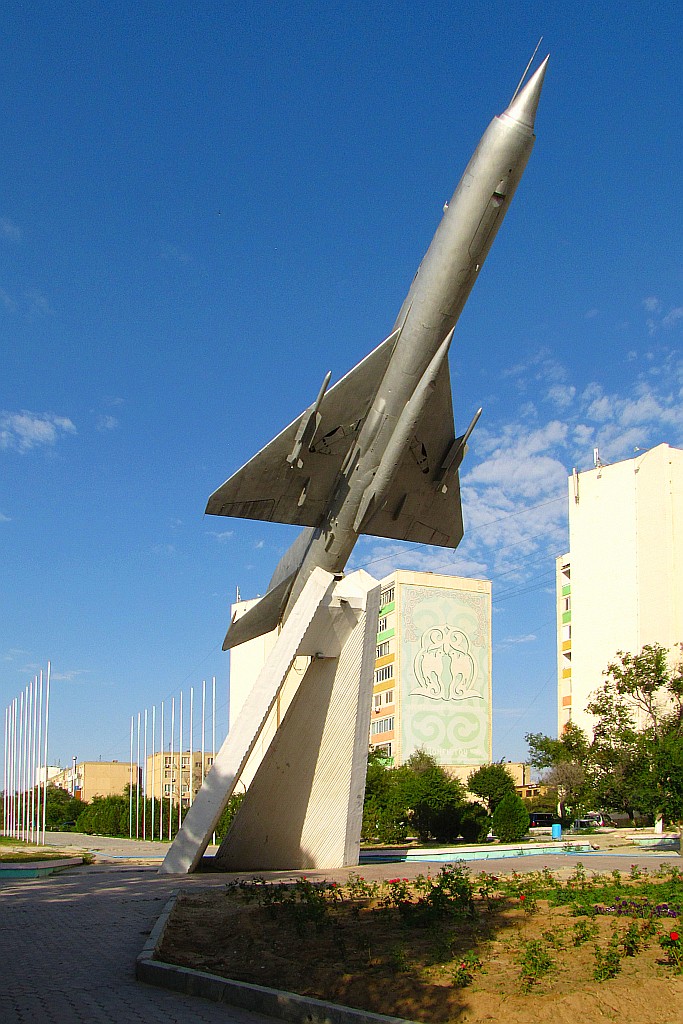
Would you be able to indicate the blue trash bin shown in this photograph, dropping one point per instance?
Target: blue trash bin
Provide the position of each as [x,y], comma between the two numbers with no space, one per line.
[556,831]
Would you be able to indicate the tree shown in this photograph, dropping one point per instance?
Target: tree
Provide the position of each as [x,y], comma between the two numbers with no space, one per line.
[510,819]
[432,796]
[566,763]
[638,737]
[420,798]
[60,807]
[491,782]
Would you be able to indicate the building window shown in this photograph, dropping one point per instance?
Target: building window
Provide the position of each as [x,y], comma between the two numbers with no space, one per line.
[167,788]
[209,761]
[168,762]
[186,762]
[382,725]
[378,700]
[386,748]
[386,597]
[386,672]
[168,774]
[383,649]
[388,696]
[382,624]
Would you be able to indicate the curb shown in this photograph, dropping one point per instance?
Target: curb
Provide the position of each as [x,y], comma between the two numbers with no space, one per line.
[36,868]
[269,1001]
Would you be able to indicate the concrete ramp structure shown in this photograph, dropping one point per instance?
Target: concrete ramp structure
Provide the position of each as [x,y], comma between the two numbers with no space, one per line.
[304,806]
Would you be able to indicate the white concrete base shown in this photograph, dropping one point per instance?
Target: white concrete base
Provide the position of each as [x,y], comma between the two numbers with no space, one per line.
[304,806]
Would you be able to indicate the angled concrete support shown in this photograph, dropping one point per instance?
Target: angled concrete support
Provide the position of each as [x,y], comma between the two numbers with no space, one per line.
[304,806]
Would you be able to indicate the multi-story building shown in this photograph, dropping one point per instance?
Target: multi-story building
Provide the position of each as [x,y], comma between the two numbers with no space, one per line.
[620,587]
[171,774]
[432,687]
[87,779]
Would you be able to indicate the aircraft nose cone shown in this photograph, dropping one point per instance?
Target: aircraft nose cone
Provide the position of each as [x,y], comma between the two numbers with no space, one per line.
[525,104]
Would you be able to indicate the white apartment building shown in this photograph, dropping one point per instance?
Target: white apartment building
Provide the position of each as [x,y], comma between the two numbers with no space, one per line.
[621,584]
[432,686]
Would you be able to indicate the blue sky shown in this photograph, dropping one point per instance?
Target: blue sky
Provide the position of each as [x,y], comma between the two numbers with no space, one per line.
[204,207]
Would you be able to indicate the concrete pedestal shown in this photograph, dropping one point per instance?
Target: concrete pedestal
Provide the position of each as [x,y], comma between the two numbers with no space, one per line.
[304,806]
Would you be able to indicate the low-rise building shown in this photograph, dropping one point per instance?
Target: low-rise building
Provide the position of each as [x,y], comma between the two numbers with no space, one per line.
[87,779]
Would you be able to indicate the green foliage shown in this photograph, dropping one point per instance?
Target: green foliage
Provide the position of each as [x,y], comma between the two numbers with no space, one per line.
[417,798]
[634,763]
[534,961]
[105,816]
[637,750]
[491,782]
[607,961]
[226,818]
[60,807]
[475,823]
[510,819]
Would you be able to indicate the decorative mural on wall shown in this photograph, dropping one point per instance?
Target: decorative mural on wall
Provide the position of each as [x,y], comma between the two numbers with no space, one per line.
[445,674]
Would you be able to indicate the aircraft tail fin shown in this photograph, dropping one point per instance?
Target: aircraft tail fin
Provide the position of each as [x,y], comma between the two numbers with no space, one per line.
[262,618]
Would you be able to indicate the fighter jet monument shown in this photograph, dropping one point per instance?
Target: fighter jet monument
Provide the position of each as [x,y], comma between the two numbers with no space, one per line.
[375,454]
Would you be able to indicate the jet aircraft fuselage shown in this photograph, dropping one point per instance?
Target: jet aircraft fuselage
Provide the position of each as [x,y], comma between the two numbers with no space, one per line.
[377,454]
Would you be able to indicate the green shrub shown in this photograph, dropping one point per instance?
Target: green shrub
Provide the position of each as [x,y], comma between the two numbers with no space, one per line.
[510,819]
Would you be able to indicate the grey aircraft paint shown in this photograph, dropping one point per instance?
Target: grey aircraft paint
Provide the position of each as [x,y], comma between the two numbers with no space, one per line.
[377,454]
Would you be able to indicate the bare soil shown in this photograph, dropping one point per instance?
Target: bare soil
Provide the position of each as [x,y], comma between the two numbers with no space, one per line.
[371,959]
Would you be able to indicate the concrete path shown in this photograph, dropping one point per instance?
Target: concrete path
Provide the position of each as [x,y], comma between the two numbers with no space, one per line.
[69,944]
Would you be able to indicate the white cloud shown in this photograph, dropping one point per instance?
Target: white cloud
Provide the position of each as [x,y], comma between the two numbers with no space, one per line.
[561,395]
[22,431]
[221,535]
[528,638]
[107,423]
[69,676]
[164,549]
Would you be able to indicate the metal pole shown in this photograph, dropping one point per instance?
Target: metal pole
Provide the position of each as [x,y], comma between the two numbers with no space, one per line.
[33,759]
[144,785]
[162,773]
[213,729]
[15,735]
[4,777]
[130,783]
[137,785]
[47,719]
[170,792]
[203,723]
[180,758]
[191,744]
[154,740]
[22,769]
[15,767]
[40,747]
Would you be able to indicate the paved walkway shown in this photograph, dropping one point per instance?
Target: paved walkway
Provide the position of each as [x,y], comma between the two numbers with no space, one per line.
[69,942]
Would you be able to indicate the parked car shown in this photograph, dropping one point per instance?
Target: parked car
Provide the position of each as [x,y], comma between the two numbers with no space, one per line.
[583,823]
[601,819]
[541,819]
